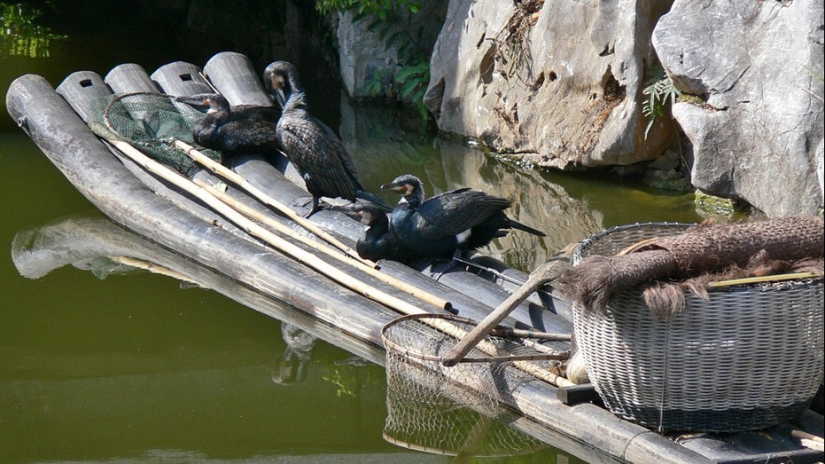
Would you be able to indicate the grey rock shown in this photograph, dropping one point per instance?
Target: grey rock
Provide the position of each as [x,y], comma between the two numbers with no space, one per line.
[560,88]
[759,136]
[364,55]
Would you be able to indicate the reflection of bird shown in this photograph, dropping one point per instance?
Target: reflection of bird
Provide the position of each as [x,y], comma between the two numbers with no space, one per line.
[461,219]
[377,243]
[310,145]
[244,129]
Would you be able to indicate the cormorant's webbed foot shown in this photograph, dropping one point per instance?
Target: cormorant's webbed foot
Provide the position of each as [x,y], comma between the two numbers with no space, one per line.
[316,206]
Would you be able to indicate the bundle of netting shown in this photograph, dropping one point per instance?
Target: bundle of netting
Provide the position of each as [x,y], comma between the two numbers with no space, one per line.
[150,122]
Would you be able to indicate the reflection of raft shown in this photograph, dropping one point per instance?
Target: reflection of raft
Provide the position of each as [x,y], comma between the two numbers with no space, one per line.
[127,194]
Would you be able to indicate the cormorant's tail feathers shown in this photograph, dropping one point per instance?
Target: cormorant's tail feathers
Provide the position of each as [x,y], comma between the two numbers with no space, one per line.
[364,195]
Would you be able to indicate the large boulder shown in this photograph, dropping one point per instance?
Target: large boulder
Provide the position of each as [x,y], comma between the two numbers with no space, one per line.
[758,134]
[558,83]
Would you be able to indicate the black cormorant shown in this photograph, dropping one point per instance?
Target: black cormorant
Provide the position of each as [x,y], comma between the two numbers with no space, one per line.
[453,221]
[310,145]
[243,129]
[378,243]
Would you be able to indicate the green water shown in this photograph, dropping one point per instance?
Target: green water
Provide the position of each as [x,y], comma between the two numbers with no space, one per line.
[141,367]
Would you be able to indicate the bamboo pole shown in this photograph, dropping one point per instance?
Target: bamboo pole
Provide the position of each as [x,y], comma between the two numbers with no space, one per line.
[320,247]
[521,362]
[809,440]
[152,267]
[237,179]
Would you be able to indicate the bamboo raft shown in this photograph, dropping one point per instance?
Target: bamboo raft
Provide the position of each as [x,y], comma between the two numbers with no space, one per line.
[213,252]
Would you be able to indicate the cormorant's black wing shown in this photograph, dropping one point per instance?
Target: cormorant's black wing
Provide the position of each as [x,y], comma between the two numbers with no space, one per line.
[308,145]
[453,212]
[256,134]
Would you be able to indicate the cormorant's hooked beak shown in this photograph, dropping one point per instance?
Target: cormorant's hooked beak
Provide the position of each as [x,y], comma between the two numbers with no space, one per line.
[275,85]
[401,189]
[213,102]
[362,215]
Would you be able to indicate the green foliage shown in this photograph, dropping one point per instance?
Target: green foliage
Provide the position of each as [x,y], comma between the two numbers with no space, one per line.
[380,8]
[661,95]
[20,36]
[390,20]
[412,82]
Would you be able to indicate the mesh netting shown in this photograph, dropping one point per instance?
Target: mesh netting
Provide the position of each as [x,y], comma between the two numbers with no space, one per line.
[150,122]
[450,410]
[426,413]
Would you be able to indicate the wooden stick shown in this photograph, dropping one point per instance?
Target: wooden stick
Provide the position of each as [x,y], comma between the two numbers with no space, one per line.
[547,272]
[320,247]
[809,440]
[761,279]
[522,333]
[237,179]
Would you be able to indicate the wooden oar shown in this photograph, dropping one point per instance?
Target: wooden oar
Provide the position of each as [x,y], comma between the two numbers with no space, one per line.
[238,180]
[547,272]
[320,247]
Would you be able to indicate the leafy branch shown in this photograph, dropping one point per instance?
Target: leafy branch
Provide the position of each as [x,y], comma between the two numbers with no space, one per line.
[390,20]
[661,95]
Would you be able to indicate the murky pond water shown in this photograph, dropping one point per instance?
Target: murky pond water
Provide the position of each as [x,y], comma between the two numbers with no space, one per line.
[100,366]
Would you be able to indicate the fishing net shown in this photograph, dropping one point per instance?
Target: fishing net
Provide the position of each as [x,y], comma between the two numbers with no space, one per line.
[150,122]
[451,410]
[707,249]
[454,410]
[425,413]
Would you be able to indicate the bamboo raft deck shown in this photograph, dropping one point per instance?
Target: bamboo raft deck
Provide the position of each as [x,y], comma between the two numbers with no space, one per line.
[207,249]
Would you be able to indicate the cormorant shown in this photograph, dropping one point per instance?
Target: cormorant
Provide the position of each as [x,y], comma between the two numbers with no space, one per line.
[451,222]
[378,243]
[243,129]
[310,145]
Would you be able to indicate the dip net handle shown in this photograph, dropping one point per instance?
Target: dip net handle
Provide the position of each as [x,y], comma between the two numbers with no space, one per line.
[548,272]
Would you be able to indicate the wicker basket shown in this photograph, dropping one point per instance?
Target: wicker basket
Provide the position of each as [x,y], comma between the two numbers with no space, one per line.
[749,358]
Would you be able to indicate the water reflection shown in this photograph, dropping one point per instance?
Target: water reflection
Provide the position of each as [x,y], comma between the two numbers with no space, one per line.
[98,245]
[384,148]
[426,413]
[291,366]
[20,36]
